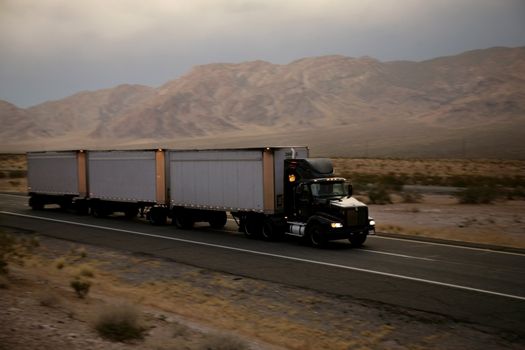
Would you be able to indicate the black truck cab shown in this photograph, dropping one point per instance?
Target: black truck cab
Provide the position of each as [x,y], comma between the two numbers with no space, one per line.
[320,206]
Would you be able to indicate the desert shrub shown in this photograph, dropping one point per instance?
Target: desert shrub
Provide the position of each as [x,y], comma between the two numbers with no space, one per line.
[393,181]
[14,249]
[411,197]
[515,193]
[477,195]
[48,298]
[119,323]
[60,263]
[222,342]
[86,272]
[179,330]
[379,195]
[81,287]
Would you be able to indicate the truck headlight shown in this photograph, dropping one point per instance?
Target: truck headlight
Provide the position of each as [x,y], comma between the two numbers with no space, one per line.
[336,225]
[372,223]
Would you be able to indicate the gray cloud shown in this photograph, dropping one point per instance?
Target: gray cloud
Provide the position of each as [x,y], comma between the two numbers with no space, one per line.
[54,48]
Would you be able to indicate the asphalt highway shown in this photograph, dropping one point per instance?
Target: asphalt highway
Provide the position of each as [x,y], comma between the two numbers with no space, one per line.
[477,285]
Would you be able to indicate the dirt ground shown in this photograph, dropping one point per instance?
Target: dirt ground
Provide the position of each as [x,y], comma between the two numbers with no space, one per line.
[441,217]
[183,307]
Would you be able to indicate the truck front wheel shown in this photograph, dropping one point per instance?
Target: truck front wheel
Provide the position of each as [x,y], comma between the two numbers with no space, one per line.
[315,237]
[358,240]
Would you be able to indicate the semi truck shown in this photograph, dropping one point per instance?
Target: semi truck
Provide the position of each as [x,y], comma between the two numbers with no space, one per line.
[269,191]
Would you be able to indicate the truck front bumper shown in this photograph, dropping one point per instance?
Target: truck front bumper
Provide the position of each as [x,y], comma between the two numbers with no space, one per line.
[332,234]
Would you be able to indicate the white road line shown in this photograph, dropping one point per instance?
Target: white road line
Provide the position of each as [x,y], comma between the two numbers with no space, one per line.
[486,250]
[15,195]
[511,296]
[394,254]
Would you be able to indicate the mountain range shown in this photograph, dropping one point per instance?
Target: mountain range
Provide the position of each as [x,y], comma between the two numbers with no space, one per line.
[468,105]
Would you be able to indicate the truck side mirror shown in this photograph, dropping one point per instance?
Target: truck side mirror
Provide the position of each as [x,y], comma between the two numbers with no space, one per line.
[350,190]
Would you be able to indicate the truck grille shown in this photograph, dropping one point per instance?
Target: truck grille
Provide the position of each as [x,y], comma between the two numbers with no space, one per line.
[357,216]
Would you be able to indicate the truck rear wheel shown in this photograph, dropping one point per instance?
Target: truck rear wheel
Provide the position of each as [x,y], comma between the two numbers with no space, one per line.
[252,227]
[271,230]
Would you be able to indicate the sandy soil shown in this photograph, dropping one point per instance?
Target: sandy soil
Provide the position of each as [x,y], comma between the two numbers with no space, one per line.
[184,307]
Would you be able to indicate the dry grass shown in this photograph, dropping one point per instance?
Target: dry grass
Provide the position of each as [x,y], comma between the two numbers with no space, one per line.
[119,323]
[220,341]
[487,236]
[13,173]
[48,298]
[436,167]
[81,287]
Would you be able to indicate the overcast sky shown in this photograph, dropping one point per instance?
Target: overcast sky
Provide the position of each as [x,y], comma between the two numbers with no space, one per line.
[50,49]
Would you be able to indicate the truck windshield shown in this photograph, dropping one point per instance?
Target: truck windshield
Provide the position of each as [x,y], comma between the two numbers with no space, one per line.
[328,189]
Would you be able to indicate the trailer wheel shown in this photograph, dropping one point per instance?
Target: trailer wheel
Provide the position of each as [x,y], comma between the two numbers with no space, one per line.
[131,213]
[183,220]
[315,236]
[252,227]
[218,220]
[65,203]
[157,216]
[35,203]
[99,213]
[358,240]
[81,208]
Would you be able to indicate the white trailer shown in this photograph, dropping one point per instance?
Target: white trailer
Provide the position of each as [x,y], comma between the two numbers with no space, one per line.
[205,184]
[55,177]
[125,181]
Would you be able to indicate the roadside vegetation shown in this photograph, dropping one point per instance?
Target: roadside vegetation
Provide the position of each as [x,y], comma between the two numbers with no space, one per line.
[24,264]
[14,250]
[13,173]
[119,323]
[471,181]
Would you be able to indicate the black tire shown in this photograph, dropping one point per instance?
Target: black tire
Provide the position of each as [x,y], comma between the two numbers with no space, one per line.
[35,203]
[81,207]
[99,212]
[218,220]
[157,216]
[314,235]
[358,240]
[182,220]
[65,203]
[270,231]
[252,227]
[131,213]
